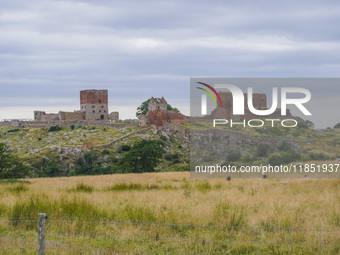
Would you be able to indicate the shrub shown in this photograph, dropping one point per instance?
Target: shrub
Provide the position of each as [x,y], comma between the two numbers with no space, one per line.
[285,146]
[72,126]
[283,158]
[105,152]
[124,147]
[13,130]
[180,167]
[72,172]
[54,129]
[172,157]
[302,125]
[162,137]
[233,156]
[10,165]
[248,158]
[262,150]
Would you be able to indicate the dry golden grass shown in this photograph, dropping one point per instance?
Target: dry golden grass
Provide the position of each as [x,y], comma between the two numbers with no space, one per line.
[175,198]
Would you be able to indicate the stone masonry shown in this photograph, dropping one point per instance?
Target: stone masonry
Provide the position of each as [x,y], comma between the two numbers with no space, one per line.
[158,114]
[93,106]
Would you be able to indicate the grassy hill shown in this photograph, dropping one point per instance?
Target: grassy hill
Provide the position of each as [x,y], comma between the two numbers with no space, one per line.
[54,152]
[262,145]
[80,151]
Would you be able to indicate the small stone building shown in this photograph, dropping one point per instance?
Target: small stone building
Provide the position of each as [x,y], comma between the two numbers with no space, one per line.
[158,113]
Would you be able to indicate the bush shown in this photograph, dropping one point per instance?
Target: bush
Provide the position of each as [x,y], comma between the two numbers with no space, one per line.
[72,172]
[285,146]
[10,165]
[13,130]
[262,150]
[181,167]
[54,129]
[172,157]
[72,126]
[248,158]
[233,156]
[162,137]
[105,152]
[123,148]
[302,125]
[283,158]
[144,156]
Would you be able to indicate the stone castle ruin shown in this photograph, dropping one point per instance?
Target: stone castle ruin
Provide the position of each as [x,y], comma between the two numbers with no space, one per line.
[158,114]
[93,106]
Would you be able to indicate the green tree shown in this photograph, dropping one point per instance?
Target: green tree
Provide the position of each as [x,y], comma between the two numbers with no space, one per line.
[143,108]
[10,165]
[144,156]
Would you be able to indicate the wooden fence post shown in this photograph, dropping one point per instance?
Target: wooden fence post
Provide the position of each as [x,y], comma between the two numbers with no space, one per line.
[41,233]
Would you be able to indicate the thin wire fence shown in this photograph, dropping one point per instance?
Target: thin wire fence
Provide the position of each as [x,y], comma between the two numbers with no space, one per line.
[68,236]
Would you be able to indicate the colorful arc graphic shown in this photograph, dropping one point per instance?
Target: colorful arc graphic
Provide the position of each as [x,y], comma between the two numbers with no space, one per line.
[213,90]
[209,94]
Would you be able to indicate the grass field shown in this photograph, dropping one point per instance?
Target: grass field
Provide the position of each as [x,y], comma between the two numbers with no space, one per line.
[270,216]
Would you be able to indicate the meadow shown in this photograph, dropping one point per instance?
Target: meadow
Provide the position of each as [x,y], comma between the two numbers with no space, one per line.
[172,214]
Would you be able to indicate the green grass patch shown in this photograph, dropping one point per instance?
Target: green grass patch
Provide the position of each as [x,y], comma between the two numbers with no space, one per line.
[138,187]
[82,187]
[17,188]
[10,181]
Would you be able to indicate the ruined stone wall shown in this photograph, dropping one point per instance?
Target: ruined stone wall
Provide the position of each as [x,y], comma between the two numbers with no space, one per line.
[175,117]
[175,127]
[158,117]
[69,116]
[43,116]
[143,120]
[114,116]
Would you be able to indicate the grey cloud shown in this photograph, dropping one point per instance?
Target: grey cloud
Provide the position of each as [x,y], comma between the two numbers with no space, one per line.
[137,49]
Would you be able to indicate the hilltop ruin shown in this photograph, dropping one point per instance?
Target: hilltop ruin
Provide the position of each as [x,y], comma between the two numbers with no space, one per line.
[93,106]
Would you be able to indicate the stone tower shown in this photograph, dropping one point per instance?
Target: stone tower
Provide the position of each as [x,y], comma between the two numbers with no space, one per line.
[95,104]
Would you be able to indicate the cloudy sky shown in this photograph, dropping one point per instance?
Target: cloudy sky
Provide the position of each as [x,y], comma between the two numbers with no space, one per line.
[51,49]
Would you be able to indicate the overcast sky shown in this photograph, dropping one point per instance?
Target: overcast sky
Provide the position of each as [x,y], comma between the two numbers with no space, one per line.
[50,50]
